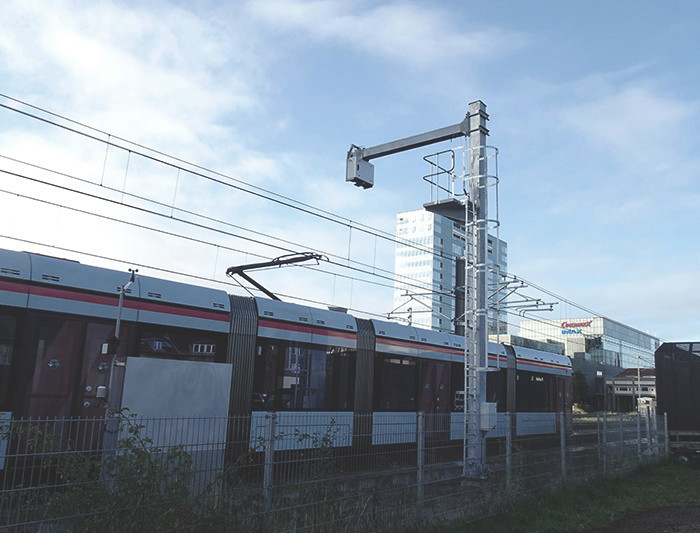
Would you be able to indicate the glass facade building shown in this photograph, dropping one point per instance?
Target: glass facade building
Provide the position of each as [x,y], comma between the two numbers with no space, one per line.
[427,247]
[596,339]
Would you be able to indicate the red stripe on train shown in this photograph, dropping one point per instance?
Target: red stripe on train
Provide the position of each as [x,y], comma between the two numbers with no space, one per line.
[418,346]
[402,344]
[12,286]
[546,365]
[306,329]
[64,294]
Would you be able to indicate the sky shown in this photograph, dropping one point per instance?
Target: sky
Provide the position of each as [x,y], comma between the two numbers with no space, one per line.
[593,107]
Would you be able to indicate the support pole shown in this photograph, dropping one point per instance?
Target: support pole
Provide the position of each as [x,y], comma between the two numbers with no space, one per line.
[420,439]
[509,450]
[478,195]
[562,443]
[639,437]
[268,479]
[622,436]
[600,451]
[605,443]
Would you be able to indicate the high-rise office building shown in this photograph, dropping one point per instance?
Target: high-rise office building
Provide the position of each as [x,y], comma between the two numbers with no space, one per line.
[427,249]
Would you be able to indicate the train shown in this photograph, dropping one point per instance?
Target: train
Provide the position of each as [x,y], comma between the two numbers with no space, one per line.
[298,361]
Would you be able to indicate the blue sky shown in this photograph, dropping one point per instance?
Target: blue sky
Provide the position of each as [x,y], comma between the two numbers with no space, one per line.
[593,107]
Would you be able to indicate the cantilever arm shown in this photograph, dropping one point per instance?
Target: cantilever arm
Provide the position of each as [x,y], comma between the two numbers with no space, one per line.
[360,171]
[416,141]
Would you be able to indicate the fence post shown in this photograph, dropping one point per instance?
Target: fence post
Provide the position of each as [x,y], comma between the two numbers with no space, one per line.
[655,433]
[622,437]
[667,446]
[562,442]
[648,428]
[270,419]
[509,449]
[597,422]
[605,443]
[420,441]
[639,437]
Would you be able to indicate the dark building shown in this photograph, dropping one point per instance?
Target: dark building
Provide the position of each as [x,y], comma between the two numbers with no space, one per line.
[678,390]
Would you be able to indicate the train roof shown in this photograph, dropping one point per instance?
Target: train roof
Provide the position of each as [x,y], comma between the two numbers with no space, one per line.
[301,323]
[302,314]
[546,362]
[383,328]
[65,274]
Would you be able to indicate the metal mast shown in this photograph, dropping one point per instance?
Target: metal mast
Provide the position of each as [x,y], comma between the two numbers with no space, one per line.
[472,212]
[476,252]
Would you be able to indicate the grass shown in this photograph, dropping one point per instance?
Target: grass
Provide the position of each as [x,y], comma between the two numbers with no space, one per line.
[669,483]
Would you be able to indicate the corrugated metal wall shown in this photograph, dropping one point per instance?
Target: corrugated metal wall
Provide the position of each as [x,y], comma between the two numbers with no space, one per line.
[678,385]
[364,372]
[241,353]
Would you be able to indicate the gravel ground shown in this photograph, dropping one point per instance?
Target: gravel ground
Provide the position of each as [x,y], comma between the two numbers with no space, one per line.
[662,520]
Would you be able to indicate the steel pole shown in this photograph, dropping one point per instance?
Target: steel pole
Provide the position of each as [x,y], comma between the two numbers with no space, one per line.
[268,478]
[478,194]
[420,438]
[562,443]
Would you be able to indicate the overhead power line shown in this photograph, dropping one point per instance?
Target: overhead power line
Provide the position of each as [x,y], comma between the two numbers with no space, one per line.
[202,172]
[199,171]
[145,227]
[227,284]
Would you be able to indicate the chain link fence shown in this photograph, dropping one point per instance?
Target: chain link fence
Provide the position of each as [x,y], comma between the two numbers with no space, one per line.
[284,471]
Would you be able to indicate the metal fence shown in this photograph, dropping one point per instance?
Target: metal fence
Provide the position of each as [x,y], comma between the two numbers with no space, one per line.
[296,471]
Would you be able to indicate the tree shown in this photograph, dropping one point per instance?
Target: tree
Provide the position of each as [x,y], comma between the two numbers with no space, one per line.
[579,386]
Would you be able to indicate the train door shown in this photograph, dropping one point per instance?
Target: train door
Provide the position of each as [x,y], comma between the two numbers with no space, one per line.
[8,334]
[51,391]
[434,398]
[66,367]
[95,368]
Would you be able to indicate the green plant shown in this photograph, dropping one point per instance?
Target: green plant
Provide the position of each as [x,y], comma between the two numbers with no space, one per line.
[579,387]
[596,504]
[134,487]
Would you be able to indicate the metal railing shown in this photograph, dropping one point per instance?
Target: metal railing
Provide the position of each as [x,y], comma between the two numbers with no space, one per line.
[296,471]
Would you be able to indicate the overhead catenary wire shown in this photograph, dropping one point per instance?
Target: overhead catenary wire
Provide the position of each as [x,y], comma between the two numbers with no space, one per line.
[133,148]
[192,213]
[185,237]
[341,264]
[203,172]
[178,273]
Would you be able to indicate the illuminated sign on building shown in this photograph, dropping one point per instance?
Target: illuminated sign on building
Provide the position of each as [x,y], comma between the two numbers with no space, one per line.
[576,324]
[574,328]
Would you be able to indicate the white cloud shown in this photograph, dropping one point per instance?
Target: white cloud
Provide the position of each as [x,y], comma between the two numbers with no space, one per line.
[411,34]
[658,299]
[634,124]
[170,74]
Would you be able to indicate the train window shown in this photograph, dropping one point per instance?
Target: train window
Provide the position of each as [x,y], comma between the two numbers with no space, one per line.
[298,376]
[457,386]
[175,343]
[395,383]
[535,393]
[8,325]
[496,389]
